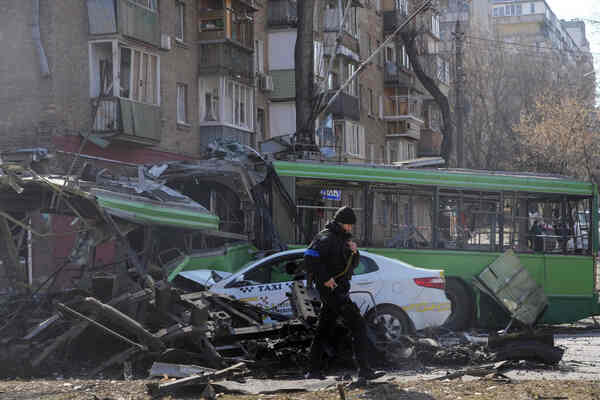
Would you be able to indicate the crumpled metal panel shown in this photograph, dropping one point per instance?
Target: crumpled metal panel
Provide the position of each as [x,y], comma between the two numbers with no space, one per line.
[511,285]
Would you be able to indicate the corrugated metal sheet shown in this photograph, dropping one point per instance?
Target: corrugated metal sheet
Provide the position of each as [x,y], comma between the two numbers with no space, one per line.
[284,84]
[101,16]
[138,22]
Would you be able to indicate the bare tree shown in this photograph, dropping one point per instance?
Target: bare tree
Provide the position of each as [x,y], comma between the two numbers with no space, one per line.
[410,36]
[561,135]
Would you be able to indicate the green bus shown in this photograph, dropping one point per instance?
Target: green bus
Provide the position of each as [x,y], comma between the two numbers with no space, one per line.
[459,221]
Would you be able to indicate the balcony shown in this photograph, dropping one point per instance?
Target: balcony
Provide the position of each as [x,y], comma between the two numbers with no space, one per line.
[399,108]
[403,129]
[124,17]
[390,19]
[394,76]
[126,120]
[227,58]
[282,13]
[344,106]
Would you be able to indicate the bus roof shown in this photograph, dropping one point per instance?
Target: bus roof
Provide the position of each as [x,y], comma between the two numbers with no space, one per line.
[464,179]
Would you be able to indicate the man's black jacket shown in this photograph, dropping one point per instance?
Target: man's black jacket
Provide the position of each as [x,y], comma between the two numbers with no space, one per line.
[327,256]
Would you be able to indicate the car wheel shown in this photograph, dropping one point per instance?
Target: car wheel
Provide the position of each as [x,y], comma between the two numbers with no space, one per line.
[461,301]
[390,323]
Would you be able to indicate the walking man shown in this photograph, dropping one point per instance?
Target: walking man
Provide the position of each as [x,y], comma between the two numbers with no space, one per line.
[332,257]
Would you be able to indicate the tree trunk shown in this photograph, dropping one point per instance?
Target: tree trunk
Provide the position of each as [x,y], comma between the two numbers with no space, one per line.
[409,39]
[304,56]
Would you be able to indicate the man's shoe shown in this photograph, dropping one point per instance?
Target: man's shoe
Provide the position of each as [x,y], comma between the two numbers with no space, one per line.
[314,375]
[369,374]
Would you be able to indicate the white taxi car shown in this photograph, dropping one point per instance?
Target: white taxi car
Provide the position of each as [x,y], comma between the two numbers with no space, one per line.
[406,298]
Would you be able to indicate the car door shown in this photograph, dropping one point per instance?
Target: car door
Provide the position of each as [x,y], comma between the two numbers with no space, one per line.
[366,283]
[266,284]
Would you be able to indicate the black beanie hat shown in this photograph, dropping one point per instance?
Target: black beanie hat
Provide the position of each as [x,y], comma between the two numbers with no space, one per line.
[345,215]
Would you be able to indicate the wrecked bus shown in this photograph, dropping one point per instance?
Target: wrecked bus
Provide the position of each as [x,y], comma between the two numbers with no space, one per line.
[460,221]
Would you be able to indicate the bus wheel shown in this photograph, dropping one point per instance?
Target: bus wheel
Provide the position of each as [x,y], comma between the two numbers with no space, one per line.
[461,301]
[390,323]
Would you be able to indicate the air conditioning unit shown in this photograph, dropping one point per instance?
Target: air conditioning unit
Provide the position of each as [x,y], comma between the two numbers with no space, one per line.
[266,83]
[165,42]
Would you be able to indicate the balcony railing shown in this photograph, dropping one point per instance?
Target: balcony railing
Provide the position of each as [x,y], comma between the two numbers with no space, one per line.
[227,57]
[397,108]
[108,116]
[282,13]
[345,106]
[394,76]
[127,120]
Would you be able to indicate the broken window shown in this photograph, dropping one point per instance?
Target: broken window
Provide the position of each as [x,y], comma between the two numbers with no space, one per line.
[139,76]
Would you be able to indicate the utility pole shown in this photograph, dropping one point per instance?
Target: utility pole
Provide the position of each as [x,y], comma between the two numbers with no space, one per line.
[459,106]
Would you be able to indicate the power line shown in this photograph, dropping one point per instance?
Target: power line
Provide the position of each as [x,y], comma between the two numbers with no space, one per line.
[515,44]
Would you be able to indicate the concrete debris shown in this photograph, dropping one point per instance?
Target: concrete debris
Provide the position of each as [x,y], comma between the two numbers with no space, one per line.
[128,316]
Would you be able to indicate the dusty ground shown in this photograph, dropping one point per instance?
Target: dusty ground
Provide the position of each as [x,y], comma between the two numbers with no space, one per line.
[575,378]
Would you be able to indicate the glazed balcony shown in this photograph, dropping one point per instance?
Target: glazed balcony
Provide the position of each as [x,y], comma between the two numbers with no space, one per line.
[227,58]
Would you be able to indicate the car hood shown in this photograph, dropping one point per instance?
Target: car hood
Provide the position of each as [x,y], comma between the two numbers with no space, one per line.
[205,277]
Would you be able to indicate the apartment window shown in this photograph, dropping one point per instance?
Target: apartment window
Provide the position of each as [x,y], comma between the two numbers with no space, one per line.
[519,9]
[332,80]
[209,99]
[259,56]
[352,88]
[318,59]
[150,4]
[180,24]
[182,103]
[139,76]
[389,54]
[532,8]
[354,143]
[496,12]
[351,22]
[435,25]
[260,123]
[371,102]
[402,5]
[238,105]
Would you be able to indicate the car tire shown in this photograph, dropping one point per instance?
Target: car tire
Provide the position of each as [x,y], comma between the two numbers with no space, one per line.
[395,321]
[462,304]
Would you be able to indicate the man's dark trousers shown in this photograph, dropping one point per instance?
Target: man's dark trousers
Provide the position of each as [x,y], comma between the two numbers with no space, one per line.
[334,306]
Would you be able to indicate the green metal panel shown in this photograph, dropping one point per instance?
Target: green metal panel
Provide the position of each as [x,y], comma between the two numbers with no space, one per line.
[157,213]
[450,179]
[284,84]
[140,121]
[138,22]
[232,260]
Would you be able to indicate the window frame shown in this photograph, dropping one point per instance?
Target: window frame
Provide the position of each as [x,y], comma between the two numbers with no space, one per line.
[182,88]
[149,55]
[180,21]
[151,5]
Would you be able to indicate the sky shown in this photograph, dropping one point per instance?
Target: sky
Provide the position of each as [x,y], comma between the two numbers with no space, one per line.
[586,10]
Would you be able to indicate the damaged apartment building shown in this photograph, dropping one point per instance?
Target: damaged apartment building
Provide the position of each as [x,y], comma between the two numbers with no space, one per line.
[156,80]
[117,84]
